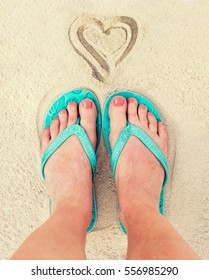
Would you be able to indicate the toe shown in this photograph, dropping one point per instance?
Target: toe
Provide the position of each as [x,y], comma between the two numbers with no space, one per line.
[162,132]
[54,128]
[88,114]
[63,117]
[132,111]
[45,139]
[117,112]
[142,113]
[152,122]
[72,113]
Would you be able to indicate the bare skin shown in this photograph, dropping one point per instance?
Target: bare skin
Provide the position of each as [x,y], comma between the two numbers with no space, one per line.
[69,180]
[150,235]
[139,178]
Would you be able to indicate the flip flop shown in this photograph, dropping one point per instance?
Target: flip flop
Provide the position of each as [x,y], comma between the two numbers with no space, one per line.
[132,130]
[61,103]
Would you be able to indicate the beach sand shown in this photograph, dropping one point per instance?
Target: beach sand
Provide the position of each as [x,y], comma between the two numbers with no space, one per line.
[159,49]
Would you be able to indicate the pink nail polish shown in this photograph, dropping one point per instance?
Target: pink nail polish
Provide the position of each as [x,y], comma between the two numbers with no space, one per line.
[119,101]
[62,112]
[87,104]
[130,100]
[72,104]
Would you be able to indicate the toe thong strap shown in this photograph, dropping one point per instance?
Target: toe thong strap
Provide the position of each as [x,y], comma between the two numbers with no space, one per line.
[132,130]
[77,130]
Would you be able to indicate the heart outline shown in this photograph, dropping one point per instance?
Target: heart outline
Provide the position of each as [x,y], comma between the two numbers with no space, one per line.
[100,66]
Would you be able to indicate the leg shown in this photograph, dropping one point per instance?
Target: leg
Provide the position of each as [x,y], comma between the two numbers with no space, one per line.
[139,178]
[153,237]
[69,178]
[60,237]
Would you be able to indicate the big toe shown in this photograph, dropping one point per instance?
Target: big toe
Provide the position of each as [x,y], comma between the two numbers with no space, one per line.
[88,115]
[117,113]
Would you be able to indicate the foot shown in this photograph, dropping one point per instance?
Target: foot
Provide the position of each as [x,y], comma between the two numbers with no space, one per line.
[139,175]
[68,172]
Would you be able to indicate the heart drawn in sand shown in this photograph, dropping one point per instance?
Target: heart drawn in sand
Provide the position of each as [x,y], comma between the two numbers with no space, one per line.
[103,44]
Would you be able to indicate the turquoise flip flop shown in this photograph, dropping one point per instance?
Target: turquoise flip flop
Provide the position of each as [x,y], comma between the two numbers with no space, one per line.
[61,103]
[132,130]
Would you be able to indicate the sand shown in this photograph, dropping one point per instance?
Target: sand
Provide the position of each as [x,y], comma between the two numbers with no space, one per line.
[157,48]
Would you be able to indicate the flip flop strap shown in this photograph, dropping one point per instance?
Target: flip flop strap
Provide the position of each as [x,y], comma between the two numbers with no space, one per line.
[132,130]
[77,130]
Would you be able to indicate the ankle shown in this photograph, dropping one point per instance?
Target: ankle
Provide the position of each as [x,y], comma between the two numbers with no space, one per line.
[137,215]
[135,200]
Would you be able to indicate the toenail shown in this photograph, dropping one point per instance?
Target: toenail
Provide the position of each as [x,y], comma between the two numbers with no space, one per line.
[87,104]
[142,106]
[56,120]
[131,100]
[119,101]
[62,112]
[72,104]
